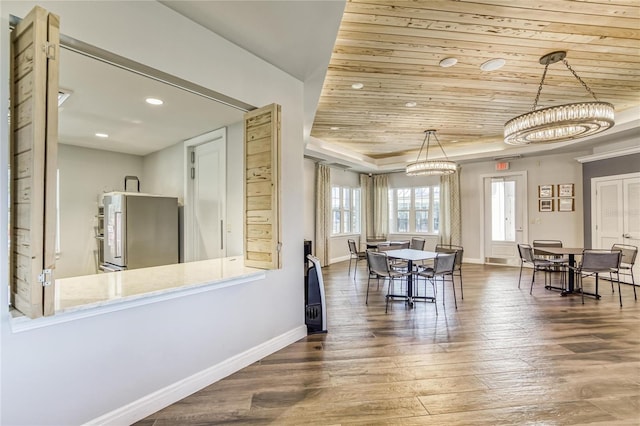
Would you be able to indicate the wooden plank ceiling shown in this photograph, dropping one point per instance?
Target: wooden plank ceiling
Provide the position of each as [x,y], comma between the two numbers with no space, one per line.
[394,49]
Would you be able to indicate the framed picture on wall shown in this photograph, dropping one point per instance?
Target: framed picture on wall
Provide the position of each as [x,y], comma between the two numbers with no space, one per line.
[545,191]
[565,190]
[545,205]
[566,205]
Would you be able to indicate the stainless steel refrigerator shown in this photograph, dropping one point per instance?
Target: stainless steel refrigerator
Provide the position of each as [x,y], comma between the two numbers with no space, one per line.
[140,230]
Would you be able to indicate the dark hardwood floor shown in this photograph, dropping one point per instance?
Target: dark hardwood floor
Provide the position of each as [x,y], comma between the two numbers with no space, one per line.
[504,357]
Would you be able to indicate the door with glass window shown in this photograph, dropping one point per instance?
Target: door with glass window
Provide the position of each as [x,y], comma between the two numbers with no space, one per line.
[504,218]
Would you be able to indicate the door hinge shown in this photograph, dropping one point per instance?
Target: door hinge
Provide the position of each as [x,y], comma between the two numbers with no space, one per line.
[45,277]
[193,173]
[49,50]
[193,157]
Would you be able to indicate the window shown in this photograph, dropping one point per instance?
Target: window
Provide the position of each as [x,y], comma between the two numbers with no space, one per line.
[345,210]
[414,210]
[503,209]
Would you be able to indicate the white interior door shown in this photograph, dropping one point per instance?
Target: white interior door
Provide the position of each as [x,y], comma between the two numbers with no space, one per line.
[205,217]
[616,213]
[504,218]
[609,213]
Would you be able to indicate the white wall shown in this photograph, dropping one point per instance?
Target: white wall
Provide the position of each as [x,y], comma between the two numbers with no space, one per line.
[543,169]
[163,172]
[85,174]
[72,372]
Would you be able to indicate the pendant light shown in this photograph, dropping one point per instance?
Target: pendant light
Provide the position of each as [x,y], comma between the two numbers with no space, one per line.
[562,122]
[431,167]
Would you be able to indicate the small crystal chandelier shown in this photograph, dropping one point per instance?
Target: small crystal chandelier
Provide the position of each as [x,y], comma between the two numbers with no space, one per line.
[562,122]
[431,167]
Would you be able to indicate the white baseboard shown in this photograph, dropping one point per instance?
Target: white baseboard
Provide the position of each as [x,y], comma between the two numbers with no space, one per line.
[471,260]
[162,398]
[338,259]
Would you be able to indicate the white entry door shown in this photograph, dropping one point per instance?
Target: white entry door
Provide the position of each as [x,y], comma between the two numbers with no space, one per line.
[504,218]
[616,212]
[205,215]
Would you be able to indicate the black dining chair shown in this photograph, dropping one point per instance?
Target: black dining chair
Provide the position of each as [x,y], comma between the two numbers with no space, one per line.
[539,265]
[443,267]
[560,263]
[356,255]
[627,260]
[459,252]
[596,262]
[381,268]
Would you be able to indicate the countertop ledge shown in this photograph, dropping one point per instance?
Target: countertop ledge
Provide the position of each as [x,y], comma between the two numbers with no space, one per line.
[92,295]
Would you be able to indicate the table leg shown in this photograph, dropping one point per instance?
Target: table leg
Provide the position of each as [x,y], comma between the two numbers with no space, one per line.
[410,283]
[572,276]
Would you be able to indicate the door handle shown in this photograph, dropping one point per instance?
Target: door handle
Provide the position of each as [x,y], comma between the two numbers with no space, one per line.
[626,235]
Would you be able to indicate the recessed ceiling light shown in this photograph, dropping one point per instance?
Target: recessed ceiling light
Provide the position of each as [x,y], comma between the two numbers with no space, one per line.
[102,135]
[493,64]
[154,101]
[335,128]
[357,85]
[410,104]
[448,62]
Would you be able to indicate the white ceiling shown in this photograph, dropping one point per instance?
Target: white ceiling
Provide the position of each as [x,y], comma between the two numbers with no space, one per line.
[108,99]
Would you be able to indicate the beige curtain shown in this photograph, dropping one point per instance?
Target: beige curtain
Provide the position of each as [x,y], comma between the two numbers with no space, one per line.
[366,210]
[450,215]
[380,206]
[323,213]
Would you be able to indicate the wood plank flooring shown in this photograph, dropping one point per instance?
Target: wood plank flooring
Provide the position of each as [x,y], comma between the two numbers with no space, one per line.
[504,357]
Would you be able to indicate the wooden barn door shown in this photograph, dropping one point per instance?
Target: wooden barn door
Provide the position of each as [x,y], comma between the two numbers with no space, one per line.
[262,233]
[34,132]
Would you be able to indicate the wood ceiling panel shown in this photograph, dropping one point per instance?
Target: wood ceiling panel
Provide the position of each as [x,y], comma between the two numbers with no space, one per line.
[394,48]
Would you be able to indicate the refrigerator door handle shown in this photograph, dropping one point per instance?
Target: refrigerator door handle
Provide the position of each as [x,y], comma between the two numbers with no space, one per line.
[221,234]
[117,230]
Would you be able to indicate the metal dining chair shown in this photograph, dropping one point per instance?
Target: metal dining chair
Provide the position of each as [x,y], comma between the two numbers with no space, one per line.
[627,260]
[595,262]
[459,252]
[380,268]
[560,263]
[443,267]
[356,255]
[539,265]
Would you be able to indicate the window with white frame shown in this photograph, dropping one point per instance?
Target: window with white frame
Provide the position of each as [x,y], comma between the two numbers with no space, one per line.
[345,210]
[414,210]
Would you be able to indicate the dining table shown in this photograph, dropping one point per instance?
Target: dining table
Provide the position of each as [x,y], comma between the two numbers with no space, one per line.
[571,253]
[411,255]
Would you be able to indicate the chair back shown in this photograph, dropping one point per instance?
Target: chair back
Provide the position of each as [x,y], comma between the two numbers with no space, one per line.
[378,263]
[450,248]
[600,260]
[627,252]
[402,245]
[444,263]
[352,247]
[526,253]
[417,243]
[545,243]
[385,246]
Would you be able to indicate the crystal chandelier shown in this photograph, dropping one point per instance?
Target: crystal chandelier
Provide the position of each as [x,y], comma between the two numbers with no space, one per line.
[431,167]
[562,122]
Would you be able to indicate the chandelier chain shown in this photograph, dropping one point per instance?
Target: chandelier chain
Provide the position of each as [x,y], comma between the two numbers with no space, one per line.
[580,80]
[544,74]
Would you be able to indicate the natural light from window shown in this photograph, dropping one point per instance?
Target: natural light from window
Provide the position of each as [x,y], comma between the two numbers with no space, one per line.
[414,210]
[503,208]
[345,210]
